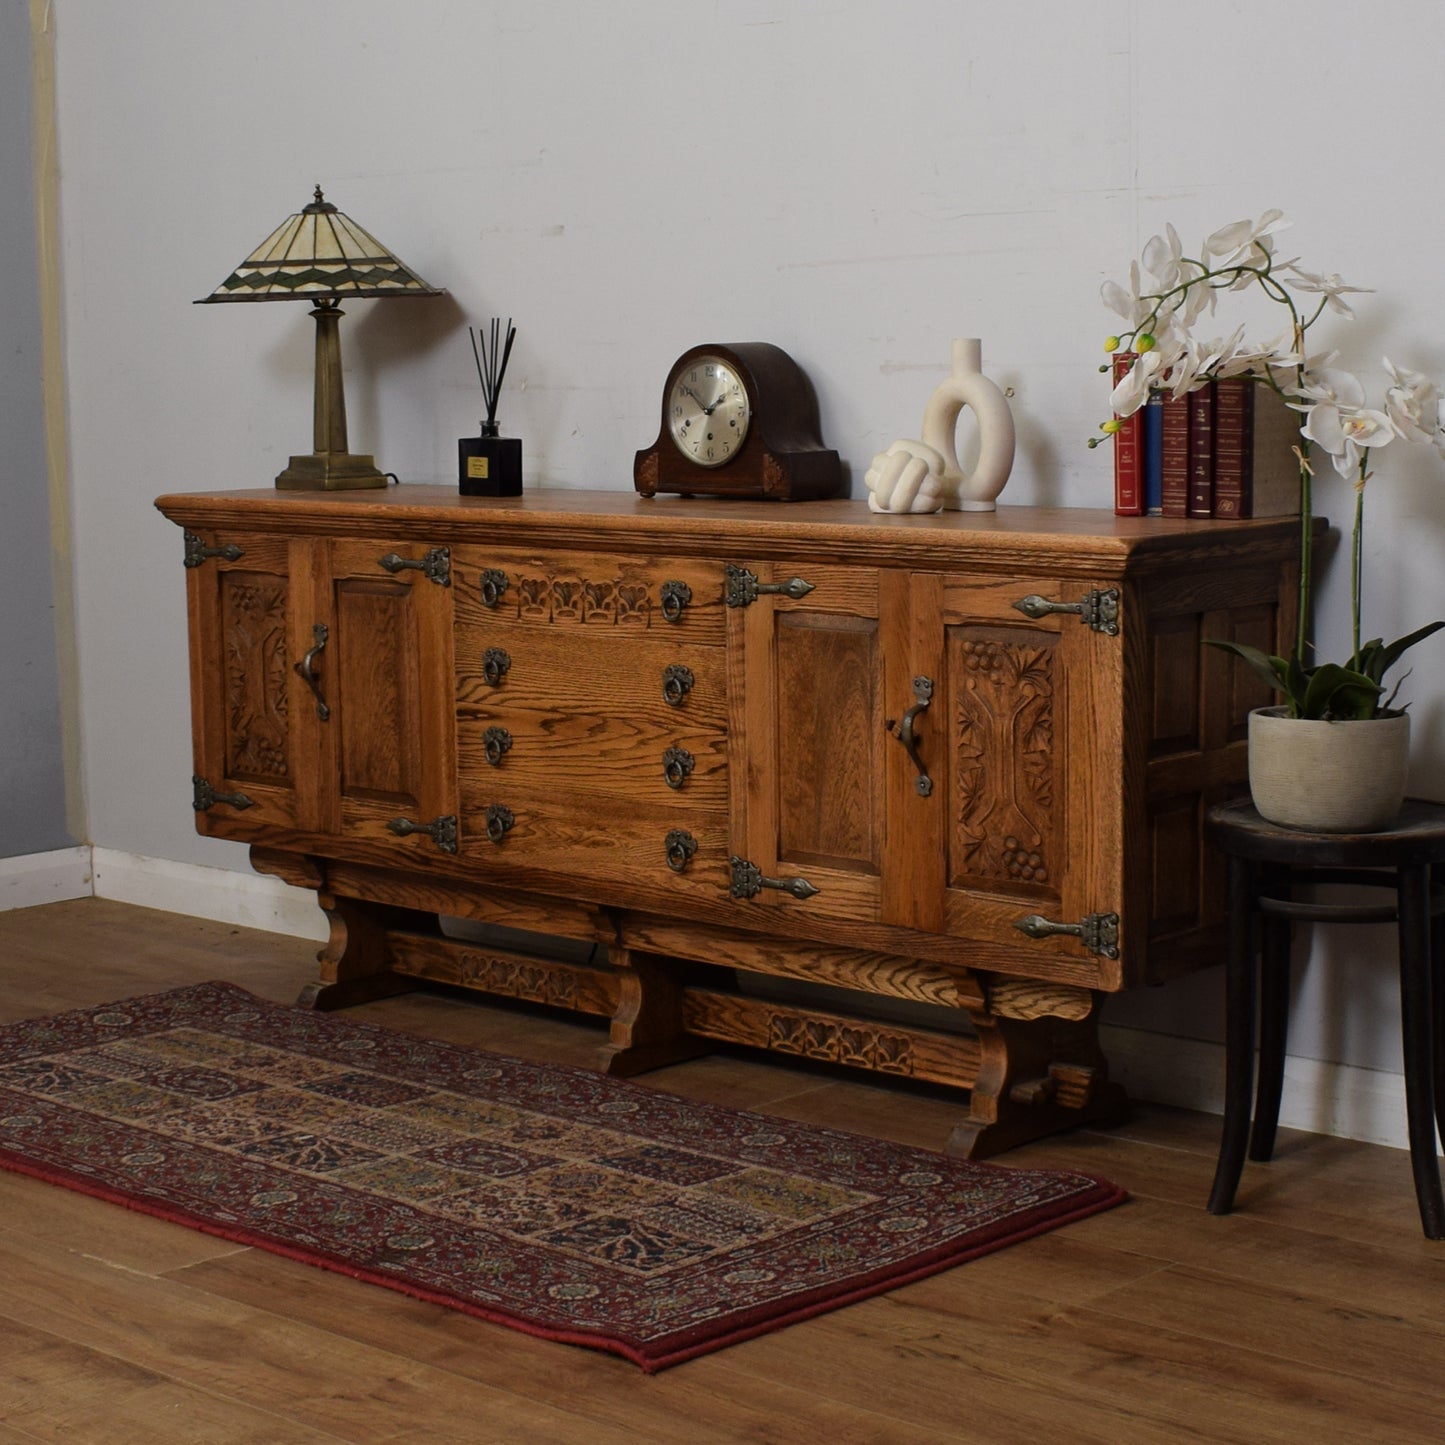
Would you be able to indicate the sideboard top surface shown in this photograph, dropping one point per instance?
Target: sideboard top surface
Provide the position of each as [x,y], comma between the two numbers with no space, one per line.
[1089,538]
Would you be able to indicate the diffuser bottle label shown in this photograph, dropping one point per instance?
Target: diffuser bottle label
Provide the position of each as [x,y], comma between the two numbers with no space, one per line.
[477,468]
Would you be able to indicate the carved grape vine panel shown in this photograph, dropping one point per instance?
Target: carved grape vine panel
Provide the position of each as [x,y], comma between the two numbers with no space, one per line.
[1004,696]
[253,633]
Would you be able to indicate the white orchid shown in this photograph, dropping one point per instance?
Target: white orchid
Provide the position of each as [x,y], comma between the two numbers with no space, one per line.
[1415,406]
[1331,287]
[1243,243]
[1340,423]
[1336,418]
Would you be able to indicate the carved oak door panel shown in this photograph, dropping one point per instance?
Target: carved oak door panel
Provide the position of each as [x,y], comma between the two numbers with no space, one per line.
[390,740]
[255,741]
[1028,709]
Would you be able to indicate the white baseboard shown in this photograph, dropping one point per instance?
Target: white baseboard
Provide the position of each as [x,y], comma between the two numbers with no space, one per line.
[37,878]
[245,900]
[1323,1098]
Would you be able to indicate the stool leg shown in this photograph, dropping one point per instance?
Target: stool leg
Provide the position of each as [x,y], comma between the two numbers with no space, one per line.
[1273,1015]
[1437,996]
[1238,1036]
[1417,1024]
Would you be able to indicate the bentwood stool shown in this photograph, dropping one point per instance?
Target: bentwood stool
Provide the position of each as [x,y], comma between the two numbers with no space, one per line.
[1266,862]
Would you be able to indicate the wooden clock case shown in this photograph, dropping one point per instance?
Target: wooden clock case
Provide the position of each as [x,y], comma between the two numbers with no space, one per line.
[782,456]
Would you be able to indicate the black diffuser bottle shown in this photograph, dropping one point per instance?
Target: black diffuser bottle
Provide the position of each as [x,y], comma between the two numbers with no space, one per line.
[490,465]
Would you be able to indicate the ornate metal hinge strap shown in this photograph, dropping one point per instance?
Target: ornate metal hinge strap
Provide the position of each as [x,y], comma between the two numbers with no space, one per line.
[675,597]
[442,831]
[743,587]
[1099,932]
[680,846]
[748,881]
[197,552]
[435,566]
[306,668]
[1097,609]
[207,797]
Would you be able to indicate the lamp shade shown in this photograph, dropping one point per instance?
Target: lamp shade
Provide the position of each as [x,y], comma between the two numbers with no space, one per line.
[319,252]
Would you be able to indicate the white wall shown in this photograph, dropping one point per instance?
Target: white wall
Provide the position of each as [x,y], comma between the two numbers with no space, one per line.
[858,182]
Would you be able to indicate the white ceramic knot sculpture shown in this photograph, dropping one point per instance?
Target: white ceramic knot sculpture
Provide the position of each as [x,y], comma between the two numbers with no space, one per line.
[924,476]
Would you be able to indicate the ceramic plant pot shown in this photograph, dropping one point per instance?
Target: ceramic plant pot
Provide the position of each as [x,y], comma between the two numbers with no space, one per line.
[1328,777]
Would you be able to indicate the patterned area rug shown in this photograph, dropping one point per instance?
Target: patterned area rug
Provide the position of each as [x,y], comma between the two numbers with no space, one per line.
[551,1199]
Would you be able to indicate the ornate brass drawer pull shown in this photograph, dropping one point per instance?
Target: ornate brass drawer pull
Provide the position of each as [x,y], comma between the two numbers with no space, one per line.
[197,552]
[677,682]
[743,587]
[496,663]
[500,820]
[675,597]
[1097,609]
[494,583]
[748,881]
[922,697]
[677,766]
[435,566]
[205,797]
[1099,932]
[442,831]
[497,742]
[306,668]
[680,847]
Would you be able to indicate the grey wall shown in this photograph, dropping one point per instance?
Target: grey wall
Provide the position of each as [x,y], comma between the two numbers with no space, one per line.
[32,771]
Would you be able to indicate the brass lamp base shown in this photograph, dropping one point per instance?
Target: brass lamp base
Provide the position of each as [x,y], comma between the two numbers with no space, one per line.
[330,472]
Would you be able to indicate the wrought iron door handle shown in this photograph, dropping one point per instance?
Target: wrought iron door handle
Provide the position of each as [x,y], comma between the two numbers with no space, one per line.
[904,732]
[435,566]
[677,766]
[1098,609]
[743,588]
[307,669]
[197,553]
[496,663]
[206,797]
[493,584]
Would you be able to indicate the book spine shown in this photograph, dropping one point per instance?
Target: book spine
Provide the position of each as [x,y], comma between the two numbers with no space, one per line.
[1154,455]
[1174,457]
[1201,451]
[1128,451]
[1233,447]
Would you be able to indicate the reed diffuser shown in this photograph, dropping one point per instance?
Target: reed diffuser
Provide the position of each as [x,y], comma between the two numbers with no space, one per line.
[490,465]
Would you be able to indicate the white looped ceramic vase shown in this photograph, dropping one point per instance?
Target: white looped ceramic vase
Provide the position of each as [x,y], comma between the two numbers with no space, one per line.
[969,387]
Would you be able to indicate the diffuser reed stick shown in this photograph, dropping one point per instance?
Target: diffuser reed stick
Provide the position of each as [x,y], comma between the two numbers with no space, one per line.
[492,367]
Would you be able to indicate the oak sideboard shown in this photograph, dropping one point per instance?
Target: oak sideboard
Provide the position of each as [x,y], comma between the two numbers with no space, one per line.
[909,794]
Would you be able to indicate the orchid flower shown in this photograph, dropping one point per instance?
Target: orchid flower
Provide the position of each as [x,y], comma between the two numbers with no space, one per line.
[1340,423]
[1330,287]
[1245,242]
[1413,405]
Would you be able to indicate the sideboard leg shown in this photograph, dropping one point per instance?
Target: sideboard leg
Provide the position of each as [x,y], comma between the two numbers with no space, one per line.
[355,962]
[647,1029]
[1036,1076]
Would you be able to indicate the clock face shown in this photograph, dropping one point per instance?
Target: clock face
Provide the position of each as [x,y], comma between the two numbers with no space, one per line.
[708,412]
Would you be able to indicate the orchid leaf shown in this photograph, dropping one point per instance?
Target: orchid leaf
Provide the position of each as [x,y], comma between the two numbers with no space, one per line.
[1336,692]
[1375,658]
[1274,671]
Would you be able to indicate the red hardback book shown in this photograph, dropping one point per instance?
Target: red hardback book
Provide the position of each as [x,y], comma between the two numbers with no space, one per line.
[1257,474]
[1128,451]
[1201,452]
[1174,466]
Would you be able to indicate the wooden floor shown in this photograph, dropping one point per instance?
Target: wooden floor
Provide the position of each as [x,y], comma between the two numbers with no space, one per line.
[1314,1313]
